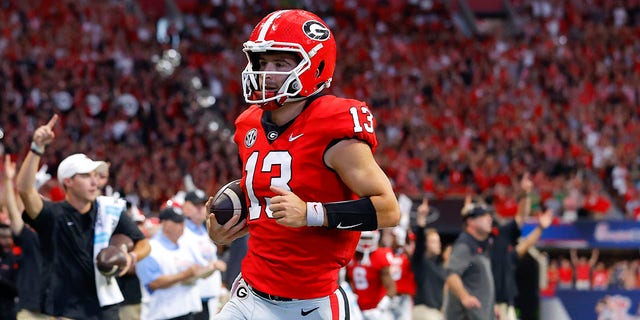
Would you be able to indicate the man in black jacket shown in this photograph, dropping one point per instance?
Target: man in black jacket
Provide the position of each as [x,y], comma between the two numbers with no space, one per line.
[428,269]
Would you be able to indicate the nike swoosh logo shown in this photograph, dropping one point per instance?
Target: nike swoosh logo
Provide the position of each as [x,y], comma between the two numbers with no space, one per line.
[292,137]
[340,226]
[306,313]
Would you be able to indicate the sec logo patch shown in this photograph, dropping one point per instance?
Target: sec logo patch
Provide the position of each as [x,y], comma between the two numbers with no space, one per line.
[250,138]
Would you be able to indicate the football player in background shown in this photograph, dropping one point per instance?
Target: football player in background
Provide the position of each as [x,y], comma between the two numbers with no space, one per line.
[399,256]
[309,175]
[370,275]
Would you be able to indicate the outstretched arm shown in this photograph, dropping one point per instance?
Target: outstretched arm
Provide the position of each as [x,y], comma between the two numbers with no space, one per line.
[594,257]
[26,179]
[421,224]
[574,257]
[544,221]
[11,201]
[524,199]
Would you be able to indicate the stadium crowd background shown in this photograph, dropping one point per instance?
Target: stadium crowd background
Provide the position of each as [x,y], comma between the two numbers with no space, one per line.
[455,113]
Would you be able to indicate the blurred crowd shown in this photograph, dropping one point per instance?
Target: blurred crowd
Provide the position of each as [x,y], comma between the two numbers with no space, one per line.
[589,272]
[557,94]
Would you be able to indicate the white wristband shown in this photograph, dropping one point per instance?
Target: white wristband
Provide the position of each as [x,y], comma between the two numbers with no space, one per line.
[315,214]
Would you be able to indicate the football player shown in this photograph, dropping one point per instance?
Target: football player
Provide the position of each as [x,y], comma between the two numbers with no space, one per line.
[309,175]
[370,275]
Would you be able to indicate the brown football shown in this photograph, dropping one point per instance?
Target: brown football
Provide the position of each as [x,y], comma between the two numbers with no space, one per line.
[228,201]
[111,260]
[121,241]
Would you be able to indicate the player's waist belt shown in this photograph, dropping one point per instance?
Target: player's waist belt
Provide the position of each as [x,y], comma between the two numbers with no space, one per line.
[269,296]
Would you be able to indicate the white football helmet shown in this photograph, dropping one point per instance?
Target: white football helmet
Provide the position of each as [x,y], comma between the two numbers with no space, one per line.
[368,241]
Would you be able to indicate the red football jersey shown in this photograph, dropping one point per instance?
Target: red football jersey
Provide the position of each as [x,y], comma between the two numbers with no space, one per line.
[401,272]
[300,263]
[366,281]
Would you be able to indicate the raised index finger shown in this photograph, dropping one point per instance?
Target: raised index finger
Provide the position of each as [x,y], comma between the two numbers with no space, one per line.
[52,122]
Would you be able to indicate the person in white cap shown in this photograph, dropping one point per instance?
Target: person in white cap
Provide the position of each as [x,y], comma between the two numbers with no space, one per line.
[73,231]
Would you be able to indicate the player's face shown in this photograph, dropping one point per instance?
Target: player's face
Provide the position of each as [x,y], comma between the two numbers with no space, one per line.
[280,63]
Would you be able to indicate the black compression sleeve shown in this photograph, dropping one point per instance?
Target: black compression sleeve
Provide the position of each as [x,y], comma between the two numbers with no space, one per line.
[357,215]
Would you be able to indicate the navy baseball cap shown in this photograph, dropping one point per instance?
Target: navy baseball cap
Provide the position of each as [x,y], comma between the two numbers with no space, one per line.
[171,213]
[475,210]
[196,196]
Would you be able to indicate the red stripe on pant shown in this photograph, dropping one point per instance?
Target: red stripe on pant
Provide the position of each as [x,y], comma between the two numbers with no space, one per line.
[335,307]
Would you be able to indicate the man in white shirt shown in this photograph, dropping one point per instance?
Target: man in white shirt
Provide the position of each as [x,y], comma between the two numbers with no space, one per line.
[195,235]
[168,276]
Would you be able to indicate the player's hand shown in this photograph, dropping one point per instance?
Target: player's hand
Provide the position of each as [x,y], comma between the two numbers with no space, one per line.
[468,199]
[225,234]
[545,219]
[219,265]
[288,209]
[423,212]
[192,273]
[526,184]
[9,168]
[44,135]
[129,265]
[471,302]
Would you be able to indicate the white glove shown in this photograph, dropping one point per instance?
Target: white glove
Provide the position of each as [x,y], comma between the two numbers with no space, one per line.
[42,176]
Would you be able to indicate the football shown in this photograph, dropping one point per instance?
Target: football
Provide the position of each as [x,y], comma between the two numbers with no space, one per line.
[111,260]
[229,200]
[121,241]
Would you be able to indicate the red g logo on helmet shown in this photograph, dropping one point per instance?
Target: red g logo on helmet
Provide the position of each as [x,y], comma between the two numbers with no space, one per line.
[293,31]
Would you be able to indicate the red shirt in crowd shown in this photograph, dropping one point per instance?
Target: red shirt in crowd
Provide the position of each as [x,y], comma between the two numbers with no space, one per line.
[600,279]
[553,276]
[565,275]
[583,272]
